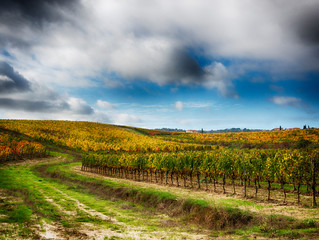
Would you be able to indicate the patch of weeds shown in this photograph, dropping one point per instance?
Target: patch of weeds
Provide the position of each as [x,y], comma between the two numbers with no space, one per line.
[198,202]
[88,218]
[309,223]
[290,234]
[152,228]
[59,154]
[309,231]
[214,234]
[20,214]
[247,231]
[126,205]
[115,227]
[129,220]
[233,202]
[25,185]
[25,232]
[66,224]
[245,238]
[111,238]
[268,230]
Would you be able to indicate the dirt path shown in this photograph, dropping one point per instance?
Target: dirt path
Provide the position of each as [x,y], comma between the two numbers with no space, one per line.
[129,232]
[95,231]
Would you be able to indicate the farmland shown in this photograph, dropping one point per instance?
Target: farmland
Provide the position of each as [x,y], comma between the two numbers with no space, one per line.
[84,180]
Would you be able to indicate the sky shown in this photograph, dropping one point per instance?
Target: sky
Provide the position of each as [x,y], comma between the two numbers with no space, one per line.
[189,64]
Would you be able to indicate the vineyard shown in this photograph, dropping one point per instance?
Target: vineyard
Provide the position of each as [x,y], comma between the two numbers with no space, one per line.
[293,138]
[296,167]
[88,136]
[12,148]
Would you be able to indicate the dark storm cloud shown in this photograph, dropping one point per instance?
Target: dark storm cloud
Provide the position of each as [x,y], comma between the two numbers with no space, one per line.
[13,41]
[45,106]
[32,106]
[82,109]
[22,20]
[308,26]
[34,12]
[184,66]
[12,81]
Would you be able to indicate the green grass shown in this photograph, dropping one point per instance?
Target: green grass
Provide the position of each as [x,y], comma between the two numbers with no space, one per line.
[15,212]
[233,202]
[21,213]
[198,202]
[20,181]
[62,155]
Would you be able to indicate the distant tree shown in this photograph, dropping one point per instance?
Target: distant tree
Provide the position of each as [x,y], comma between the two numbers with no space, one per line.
[304,127]
[280,128]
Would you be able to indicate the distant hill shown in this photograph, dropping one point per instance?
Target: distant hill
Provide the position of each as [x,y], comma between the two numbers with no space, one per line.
[213,131]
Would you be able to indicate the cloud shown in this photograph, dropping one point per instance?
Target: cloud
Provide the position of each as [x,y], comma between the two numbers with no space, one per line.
[184,121]
[198,104]
[105,105]
[276,88]
[34,12]
[19,94]
[218,76]
[287,101]
[307,25]
[78,106]
[179,106]
[184,68]
[72,105]
[22,22]
[11,81]
[69,43]
[32,106]
[125,119]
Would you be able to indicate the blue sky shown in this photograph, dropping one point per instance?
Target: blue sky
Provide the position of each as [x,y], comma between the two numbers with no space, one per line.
[178,64]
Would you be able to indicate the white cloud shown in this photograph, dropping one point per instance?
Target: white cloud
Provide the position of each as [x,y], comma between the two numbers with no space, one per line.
[198,104]
[105,105]
[179,106]
[79,106]
[5,78]
[218,76]
[125,119]
[287,101]
[184,122]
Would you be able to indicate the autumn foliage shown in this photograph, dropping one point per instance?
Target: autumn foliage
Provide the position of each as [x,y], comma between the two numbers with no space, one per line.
[15,149]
